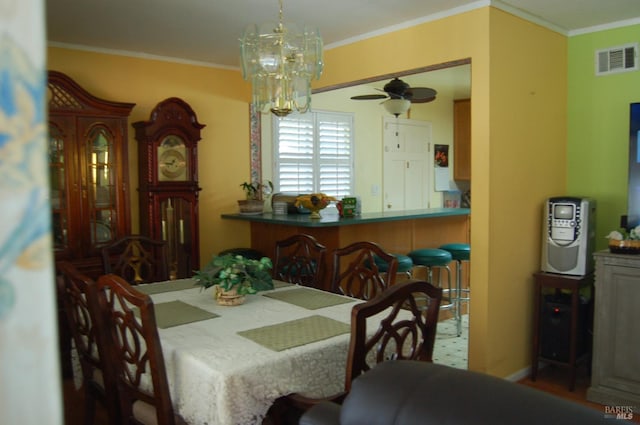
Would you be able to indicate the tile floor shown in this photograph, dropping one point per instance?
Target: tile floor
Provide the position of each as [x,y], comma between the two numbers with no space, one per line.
[452,350]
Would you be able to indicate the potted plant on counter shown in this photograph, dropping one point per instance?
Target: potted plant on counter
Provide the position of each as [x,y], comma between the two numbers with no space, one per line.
[255,193]
[234,276]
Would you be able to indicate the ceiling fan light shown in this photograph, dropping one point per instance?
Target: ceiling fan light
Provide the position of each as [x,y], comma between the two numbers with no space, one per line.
[396,106]
[281,61]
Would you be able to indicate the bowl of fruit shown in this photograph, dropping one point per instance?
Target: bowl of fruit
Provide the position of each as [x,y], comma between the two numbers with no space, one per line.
[314,202]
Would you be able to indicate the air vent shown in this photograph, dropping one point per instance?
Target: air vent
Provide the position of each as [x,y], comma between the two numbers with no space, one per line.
[617,59]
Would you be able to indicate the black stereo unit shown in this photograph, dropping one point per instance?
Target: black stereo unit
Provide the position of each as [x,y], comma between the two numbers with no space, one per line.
[555,327]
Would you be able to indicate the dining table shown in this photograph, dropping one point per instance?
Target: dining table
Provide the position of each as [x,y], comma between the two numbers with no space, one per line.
[226,365]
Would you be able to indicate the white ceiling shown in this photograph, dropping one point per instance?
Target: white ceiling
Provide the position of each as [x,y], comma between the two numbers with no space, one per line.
[207,31]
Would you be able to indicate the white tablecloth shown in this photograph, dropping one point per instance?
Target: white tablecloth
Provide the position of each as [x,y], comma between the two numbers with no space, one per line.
[219,377]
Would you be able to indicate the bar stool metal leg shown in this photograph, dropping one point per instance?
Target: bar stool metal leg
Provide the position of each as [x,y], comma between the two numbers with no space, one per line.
[449,291]
[459,252]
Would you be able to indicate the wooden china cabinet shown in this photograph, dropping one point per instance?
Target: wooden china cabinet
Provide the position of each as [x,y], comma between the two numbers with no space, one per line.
[88,172]
[168,179]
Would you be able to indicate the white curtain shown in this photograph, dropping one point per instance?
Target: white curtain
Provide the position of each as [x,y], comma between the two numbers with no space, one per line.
[30,388]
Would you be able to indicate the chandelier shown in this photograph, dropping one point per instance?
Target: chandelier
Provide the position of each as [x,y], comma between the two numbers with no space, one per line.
[280,61]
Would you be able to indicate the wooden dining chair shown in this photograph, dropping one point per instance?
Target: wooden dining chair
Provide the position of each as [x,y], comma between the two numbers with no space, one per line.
[137,259]
[356,272]
[136,353]
[78,295]
[405,330]
[300,259]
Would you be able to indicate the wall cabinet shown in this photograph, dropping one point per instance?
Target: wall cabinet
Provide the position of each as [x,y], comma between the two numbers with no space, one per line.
[462,139]
[615,375]
[407,165]
[88,172]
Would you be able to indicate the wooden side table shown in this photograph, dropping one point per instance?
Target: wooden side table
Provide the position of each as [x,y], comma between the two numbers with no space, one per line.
[560,282]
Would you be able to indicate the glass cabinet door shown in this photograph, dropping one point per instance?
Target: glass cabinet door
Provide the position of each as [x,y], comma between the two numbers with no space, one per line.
[58,190]
[101,188]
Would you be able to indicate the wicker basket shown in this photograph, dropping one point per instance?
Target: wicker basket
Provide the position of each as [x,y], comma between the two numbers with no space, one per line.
[229,298]
[627,246]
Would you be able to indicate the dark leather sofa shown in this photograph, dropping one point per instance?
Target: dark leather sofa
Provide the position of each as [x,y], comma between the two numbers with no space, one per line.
[410,393]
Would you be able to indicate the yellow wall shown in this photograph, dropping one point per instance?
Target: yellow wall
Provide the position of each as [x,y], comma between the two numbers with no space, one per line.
[526,164]
[518,76]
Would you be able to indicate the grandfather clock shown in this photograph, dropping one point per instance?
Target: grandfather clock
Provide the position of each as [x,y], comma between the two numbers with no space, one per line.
[168,180]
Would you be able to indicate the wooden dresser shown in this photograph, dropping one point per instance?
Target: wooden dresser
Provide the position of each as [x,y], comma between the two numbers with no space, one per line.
[615,378]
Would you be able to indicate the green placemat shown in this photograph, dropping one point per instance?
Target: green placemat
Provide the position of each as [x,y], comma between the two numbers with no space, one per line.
[309,298]
[280,284]
[296,332]
[172,285]
[175,313]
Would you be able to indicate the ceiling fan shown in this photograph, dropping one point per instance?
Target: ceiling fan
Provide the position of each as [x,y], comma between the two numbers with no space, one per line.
[398,89]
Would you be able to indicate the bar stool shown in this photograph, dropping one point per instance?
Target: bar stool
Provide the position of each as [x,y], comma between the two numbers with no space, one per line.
[435,258]
[459,252]
[405,264]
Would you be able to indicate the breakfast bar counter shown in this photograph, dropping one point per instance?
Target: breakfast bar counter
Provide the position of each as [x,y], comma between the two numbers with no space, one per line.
[397,232]
[303,220]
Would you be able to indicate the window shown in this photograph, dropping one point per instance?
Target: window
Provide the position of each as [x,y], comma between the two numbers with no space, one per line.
[313,152]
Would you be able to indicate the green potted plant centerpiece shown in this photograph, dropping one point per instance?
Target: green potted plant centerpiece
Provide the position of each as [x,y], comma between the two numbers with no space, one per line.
[255,193]
[234,276]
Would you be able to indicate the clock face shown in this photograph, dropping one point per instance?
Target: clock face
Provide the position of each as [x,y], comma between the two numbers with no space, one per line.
[172,159]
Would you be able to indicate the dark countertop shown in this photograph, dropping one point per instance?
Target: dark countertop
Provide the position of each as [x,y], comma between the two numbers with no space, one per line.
[303,220]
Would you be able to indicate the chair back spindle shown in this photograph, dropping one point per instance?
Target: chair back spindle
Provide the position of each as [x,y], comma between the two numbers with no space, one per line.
[406,329]
[137,259]
[356,274]
[300,260]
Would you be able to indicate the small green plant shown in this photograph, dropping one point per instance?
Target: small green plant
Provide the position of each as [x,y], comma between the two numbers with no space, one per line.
[245,275]
[257,190]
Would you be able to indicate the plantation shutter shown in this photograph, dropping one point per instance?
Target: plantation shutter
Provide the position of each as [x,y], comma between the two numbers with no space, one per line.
[294,154]
[314,153]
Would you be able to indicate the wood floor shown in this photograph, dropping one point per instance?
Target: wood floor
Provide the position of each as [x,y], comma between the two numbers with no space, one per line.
[555,380]
[551,379]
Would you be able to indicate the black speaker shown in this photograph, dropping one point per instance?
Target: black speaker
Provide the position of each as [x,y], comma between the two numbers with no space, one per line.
[555,327]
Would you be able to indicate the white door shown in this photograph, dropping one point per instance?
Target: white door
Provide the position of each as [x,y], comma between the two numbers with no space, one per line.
[407,168]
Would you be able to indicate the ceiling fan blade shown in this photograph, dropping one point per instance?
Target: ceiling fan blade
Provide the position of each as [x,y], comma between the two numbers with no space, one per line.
[421,94]
[399,96]
[369,97]
[423,100]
